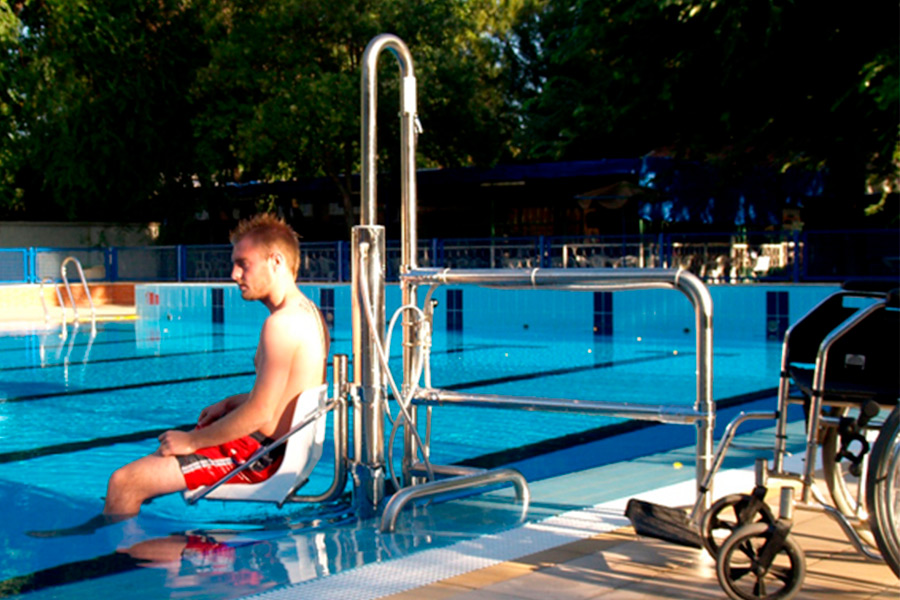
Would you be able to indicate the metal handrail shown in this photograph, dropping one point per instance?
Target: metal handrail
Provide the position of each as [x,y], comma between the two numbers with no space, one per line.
[87,292]
[59,299]
[454,484]
[703,413]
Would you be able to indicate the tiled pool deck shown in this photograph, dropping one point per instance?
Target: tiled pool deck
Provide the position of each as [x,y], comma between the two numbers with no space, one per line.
[620,565]
[594,552]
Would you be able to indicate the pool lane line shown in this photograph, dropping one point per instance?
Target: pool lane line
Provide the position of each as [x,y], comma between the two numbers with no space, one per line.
[135,339]
[512,455]
[126,358]
[91,568]
[66,345]
[128,340]
[132,386]
[131,339]
[213,351]
[127,386]
[27,454]
[68,447]
[564,371]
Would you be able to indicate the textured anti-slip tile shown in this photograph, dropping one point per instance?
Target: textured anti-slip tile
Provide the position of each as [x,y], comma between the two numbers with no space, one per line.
[487,594]
[670,584]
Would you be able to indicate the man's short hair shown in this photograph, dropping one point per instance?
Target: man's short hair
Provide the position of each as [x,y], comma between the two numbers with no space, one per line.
[272,233]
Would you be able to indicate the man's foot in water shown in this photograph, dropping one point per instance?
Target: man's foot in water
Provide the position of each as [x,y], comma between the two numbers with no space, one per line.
[86,528]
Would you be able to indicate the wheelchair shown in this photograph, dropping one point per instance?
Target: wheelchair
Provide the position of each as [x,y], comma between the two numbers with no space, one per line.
[841,361]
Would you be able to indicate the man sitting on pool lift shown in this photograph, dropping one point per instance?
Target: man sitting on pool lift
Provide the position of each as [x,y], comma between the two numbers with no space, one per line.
[290,358]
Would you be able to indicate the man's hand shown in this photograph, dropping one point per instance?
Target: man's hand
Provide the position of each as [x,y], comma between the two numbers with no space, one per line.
[175,443]
[212,413]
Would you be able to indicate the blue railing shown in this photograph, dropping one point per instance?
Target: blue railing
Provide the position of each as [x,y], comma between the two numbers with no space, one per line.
[717,258]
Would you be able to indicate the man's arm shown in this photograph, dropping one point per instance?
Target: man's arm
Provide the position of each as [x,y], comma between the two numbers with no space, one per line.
[216,411]
[277,345]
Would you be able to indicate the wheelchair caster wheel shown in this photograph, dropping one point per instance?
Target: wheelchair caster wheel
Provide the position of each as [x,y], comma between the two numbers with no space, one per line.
[745,573]
[725,516]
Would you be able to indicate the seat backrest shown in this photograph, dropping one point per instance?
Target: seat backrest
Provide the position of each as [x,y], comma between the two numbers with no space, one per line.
[806,335]
[304,448]
[302,451]
[866,359]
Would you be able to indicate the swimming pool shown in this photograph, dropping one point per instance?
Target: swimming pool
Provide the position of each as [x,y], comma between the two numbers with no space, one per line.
[72,410]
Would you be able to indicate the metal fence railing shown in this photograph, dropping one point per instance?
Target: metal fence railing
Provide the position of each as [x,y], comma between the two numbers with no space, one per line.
[771,256]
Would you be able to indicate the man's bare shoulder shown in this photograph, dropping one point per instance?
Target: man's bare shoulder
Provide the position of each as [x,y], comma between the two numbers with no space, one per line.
[294,322]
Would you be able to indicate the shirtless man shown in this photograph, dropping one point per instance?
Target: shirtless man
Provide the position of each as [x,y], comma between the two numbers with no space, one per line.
[290,358]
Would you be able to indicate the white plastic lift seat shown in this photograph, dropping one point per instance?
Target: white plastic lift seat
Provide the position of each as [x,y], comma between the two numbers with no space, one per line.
[303,450]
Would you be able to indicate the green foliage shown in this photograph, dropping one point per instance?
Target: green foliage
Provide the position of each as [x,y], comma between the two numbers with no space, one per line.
[11,195]
[117,109]
[281,97]
[740,82]
[103,119]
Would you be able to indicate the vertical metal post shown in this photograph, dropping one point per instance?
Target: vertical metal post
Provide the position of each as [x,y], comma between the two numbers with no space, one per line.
[369,214]
[181,253]
[700,298]
[367,285]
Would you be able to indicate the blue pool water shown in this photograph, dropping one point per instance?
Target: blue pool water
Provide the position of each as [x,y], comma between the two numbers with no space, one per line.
[73,410]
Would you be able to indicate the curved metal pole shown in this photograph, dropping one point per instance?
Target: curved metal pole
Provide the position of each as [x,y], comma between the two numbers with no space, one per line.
[818,392]
[369,215]
[697,292]
[369,177]
[87,291]
[454,484]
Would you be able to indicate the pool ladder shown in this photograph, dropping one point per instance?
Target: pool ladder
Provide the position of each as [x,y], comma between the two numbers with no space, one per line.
[62,304]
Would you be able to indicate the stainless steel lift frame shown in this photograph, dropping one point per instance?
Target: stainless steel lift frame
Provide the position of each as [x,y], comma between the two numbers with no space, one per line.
[368,269]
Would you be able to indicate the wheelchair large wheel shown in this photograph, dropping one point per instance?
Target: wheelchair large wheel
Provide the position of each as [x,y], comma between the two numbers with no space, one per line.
[743,578]
[722,519]
[842,485]
[883,491]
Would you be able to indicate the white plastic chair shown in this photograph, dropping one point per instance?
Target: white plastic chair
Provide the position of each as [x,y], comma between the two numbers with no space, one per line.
[303,450]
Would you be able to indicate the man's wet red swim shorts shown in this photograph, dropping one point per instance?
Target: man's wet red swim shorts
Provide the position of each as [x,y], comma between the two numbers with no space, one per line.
[208,465]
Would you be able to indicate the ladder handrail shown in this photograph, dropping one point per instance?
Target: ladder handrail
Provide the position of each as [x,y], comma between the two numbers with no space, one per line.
[59,299]
[87,291]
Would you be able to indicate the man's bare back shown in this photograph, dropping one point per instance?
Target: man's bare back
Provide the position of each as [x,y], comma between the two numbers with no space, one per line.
[304,329]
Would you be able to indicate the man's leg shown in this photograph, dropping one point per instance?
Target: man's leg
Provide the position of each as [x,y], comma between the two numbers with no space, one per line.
[127,489]
[139,481]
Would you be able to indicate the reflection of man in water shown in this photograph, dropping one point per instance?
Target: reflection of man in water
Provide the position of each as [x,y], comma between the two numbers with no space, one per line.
[193,561]
[290,358]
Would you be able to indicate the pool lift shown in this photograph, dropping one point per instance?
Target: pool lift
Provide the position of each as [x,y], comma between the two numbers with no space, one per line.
[368,464]
[419,476]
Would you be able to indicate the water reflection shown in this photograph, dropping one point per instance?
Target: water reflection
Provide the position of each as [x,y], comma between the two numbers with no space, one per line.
[232,561]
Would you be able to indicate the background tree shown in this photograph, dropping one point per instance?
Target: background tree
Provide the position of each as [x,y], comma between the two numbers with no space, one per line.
[740,83]
[120,109]
[101,109]
[281,97]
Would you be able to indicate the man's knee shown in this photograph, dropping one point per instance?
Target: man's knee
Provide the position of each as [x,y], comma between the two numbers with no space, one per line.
[121,478]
